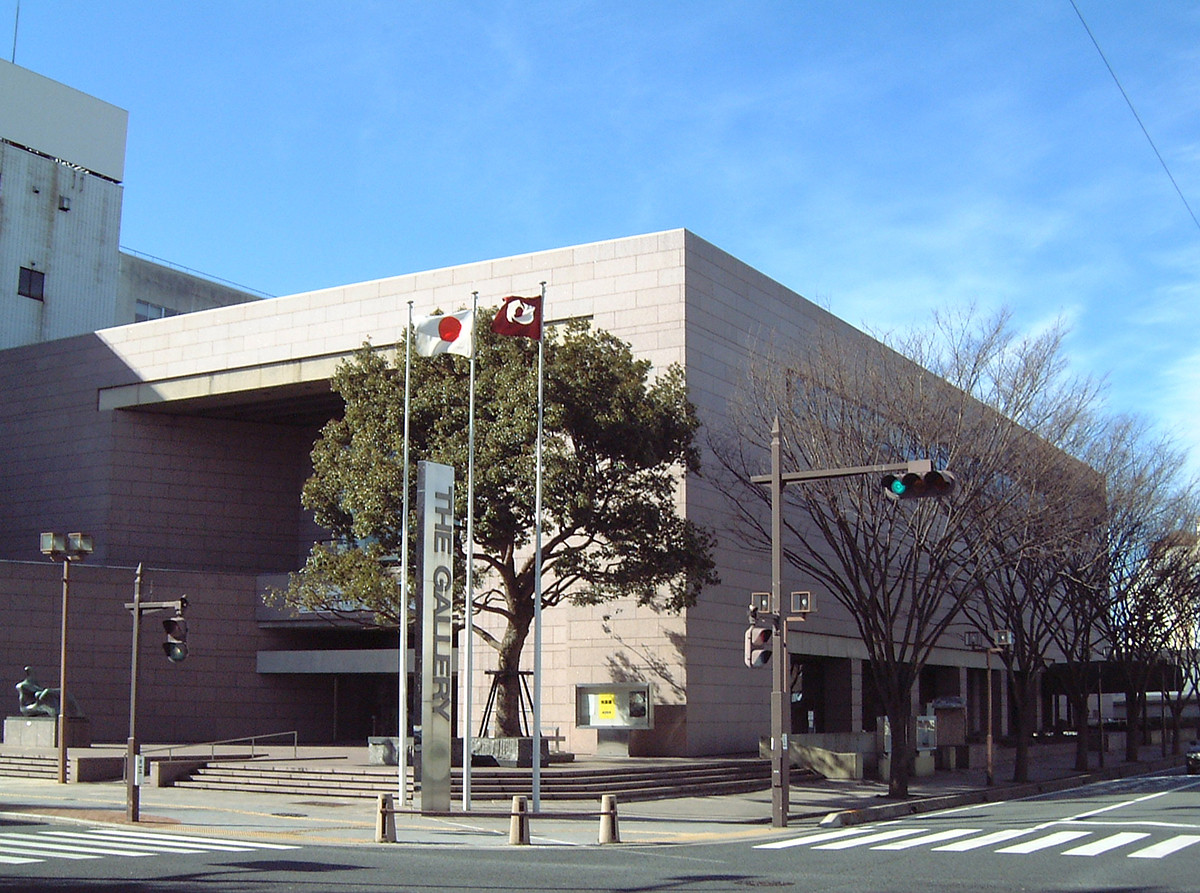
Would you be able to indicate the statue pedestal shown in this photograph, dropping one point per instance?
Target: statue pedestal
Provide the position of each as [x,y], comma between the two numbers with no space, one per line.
[507,752]
[40,732]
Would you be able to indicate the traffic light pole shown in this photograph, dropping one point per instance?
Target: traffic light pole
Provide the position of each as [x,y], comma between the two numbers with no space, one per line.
[132,779]
[133,773]
[781,695]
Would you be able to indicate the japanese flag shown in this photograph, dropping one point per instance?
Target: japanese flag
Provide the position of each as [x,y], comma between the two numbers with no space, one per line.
[446,333]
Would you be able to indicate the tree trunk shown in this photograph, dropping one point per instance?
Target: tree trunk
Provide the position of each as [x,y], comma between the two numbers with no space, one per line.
[1025,690]
[1176,708]
[901,721]
[507,722]
[1133,725]
[1082,731]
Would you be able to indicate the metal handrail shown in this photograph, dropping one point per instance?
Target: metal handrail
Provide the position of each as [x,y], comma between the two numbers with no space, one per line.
[212,745]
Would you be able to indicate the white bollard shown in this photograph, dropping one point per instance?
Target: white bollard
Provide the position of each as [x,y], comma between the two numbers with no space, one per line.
[385,820]
[609,832]
[518,825]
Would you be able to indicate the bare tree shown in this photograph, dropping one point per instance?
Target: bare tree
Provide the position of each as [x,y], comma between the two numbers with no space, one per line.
[1021,589]
[966,396]
[1081,595]
[1130,574]
[1184,650]
[1023,596]
[1186,657]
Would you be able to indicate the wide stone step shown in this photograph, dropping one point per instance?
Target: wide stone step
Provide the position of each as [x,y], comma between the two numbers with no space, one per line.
[32,765]
[645,781]
[491,776]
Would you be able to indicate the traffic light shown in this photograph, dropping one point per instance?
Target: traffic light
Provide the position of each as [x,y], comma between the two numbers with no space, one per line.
[912,485]
[758,646]
[176,645]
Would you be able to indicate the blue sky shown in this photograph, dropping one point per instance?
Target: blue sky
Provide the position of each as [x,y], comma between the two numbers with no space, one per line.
[884,159]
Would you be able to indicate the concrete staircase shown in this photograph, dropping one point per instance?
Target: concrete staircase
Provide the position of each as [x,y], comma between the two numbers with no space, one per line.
[29,765]
[636,780]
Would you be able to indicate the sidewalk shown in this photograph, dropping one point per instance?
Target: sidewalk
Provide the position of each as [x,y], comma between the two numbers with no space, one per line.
[325,820]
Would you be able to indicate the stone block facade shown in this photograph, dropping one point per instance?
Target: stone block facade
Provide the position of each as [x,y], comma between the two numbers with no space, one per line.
[182,443]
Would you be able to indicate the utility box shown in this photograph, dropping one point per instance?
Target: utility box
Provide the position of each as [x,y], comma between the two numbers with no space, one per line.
[951,716]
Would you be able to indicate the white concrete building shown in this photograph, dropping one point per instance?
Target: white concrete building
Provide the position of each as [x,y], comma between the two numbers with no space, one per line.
[62,164]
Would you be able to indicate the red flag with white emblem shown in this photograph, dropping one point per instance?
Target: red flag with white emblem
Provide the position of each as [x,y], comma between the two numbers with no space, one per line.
[519,316]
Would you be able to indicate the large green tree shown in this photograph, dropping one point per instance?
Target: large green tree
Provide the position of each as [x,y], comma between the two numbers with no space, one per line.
[618,446]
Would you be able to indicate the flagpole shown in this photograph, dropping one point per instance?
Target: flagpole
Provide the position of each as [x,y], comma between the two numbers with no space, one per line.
[402,748]
[469,549]
[537,575]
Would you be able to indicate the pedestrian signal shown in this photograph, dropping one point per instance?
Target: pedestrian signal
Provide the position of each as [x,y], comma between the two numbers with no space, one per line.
[758,646]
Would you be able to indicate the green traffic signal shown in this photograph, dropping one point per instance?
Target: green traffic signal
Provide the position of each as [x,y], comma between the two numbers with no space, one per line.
[916,486]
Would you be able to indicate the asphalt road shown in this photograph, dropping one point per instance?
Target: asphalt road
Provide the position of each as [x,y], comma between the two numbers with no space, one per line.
[1138,834]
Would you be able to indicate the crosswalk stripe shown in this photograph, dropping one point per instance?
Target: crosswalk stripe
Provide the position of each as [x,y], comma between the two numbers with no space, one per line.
[936,837]
[1171,845]
[869,839]
[19,849]
[975,843]
[43,842]
[147,843]
[1112,842]
[88,841]
[1044,843]
[175,845]
[17,860]
[24,848]
[961,840]
[810,838]
[208,842]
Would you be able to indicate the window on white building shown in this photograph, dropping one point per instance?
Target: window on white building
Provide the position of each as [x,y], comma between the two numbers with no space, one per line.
[145,310]
[32,284]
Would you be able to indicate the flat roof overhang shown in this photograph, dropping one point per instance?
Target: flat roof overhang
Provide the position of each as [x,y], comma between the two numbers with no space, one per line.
[294,392]
[357,660]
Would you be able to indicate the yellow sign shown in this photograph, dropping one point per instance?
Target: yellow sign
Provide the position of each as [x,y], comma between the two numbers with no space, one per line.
[607,707]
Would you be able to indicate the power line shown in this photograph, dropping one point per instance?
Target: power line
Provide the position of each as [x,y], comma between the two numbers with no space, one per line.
[1136,116]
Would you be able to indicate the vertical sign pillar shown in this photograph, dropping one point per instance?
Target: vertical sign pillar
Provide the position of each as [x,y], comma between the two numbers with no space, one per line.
[435,499]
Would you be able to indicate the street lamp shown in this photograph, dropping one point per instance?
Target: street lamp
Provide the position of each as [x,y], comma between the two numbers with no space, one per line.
[1164,655]
[68,548]
[1001,640]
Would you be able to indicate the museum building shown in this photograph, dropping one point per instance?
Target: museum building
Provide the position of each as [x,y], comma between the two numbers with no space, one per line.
[181,444]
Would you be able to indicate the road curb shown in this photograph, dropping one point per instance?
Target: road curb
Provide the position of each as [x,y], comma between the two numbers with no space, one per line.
[883,812]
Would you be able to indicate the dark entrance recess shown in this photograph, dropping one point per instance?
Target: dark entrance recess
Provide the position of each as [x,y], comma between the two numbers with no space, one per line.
[365,705]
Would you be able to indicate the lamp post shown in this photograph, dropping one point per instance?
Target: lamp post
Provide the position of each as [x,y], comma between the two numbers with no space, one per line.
[1164,655]
[1001,640]
[64,548]
[1106,654]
